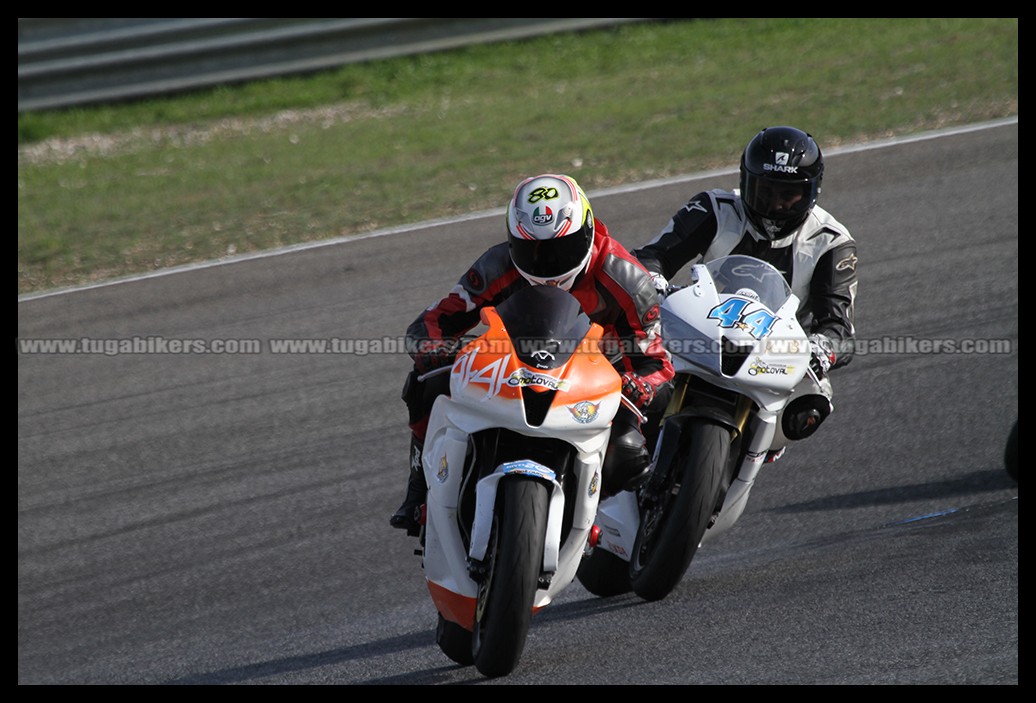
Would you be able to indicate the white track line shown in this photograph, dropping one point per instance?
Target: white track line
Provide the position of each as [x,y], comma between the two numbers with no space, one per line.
[630,188]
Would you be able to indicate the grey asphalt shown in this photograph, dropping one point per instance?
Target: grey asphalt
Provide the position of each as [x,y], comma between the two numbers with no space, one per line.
[221,518]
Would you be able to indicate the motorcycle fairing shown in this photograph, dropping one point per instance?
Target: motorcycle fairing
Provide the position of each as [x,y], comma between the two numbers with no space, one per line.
[489,385]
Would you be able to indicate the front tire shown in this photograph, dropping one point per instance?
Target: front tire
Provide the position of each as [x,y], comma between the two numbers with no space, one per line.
[1011,452]
[515,559]
[671,530]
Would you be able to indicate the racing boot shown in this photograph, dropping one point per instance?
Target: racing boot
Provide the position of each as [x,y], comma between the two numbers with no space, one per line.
[408,516]
[804,415]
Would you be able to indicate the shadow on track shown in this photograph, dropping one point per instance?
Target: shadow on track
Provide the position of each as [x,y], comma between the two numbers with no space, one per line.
[975,482]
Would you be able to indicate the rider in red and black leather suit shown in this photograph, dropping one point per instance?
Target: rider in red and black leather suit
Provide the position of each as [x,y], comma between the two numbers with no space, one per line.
[553,239]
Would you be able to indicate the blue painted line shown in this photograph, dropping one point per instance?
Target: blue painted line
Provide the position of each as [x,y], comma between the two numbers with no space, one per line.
[926,517]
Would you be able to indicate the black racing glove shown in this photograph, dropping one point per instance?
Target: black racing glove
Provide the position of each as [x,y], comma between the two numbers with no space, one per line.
[822,354]
[433,354]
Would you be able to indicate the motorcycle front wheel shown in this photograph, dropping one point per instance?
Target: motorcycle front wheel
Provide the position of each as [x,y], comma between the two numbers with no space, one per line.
[671,529]
[515,560]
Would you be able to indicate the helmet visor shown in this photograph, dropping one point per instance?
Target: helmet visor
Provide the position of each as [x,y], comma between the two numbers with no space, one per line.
[550,258]
[779,200]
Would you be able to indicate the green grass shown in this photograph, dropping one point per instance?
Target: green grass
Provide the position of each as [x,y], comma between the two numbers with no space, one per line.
[113,190]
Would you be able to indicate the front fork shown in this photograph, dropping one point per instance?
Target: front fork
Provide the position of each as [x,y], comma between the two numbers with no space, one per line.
[693,398]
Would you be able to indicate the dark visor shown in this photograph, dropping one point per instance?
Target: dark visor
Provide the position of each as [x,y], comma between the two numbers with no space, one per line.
[550,258]
[779,200]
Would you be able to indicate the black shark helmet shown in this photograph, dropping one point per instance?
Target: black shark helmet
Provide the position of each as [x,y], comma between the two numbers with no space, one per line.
[781,171]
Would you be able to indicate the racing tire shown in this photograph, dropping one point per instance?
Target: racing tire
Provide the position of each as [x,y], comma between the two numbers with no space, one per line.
[1011,453]
[454,641]
[604,574]
[515,559]
[670,533]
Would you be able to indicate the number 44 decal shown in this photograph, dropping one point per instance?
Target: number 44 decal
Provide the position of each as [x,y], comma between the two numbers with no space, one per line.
[731,313]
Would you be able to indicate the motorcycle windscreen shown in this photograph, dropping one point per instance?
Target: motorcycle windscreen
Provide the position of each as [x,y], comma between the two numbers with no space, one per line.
[545,325]
[752,278]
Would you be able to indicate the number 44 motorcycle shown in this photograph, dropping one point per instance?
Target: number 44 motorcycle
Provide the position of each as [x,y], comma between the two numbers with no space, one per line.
[743,389]
[512,459]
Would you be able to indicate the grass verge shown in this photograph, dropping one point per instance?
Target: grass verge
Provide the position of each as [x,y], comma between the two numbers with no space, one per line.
[122,189]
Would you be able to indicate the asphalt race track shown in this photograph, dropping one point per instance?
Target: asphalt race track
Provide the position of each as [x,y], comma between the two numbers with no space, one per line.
[194,508]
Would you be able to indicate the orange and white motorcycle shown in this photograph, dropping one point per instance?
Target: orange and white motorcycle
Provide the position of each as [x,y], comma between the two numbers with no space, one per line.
[512,459]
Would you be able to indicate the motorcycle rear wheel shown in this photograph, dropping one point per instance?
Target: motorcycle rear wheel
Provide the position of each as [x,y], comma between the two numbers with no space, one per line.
[604,574]
[454,641]
[669,534]
[515,560]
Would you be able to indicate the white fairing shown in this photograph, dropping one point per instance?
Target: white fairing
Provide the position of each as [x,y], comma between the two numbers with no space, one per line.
[475,404]
[618,519]
[752,312]
[697,322]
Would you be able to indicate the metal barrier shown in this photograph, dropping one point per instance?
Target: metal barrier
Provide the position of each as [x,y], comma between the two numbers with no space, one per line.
[75,61]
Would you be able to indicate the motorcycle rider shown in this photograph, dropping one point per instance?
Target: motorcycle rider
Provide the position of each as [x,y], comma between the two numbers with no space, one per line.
[553,239]
[774,216]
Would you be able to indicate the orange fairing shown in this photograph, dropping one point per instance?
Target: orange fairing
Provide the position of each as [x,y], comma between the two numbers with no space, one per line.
[457,608]
[587,375]
[453,606]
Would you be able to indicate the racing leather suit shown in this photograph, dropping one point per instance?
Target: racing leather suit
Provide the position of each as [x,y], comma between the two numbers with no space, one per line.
[818,259]
[615,291]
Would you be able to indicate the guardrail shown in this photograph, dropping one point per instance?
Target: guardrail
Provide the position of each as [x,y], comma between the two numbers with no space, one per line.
[75,61]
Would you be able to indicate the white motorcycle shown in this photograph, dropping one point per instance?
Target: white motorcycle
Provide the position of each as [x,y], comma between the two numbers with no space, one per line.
[743,389]
[512,459]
